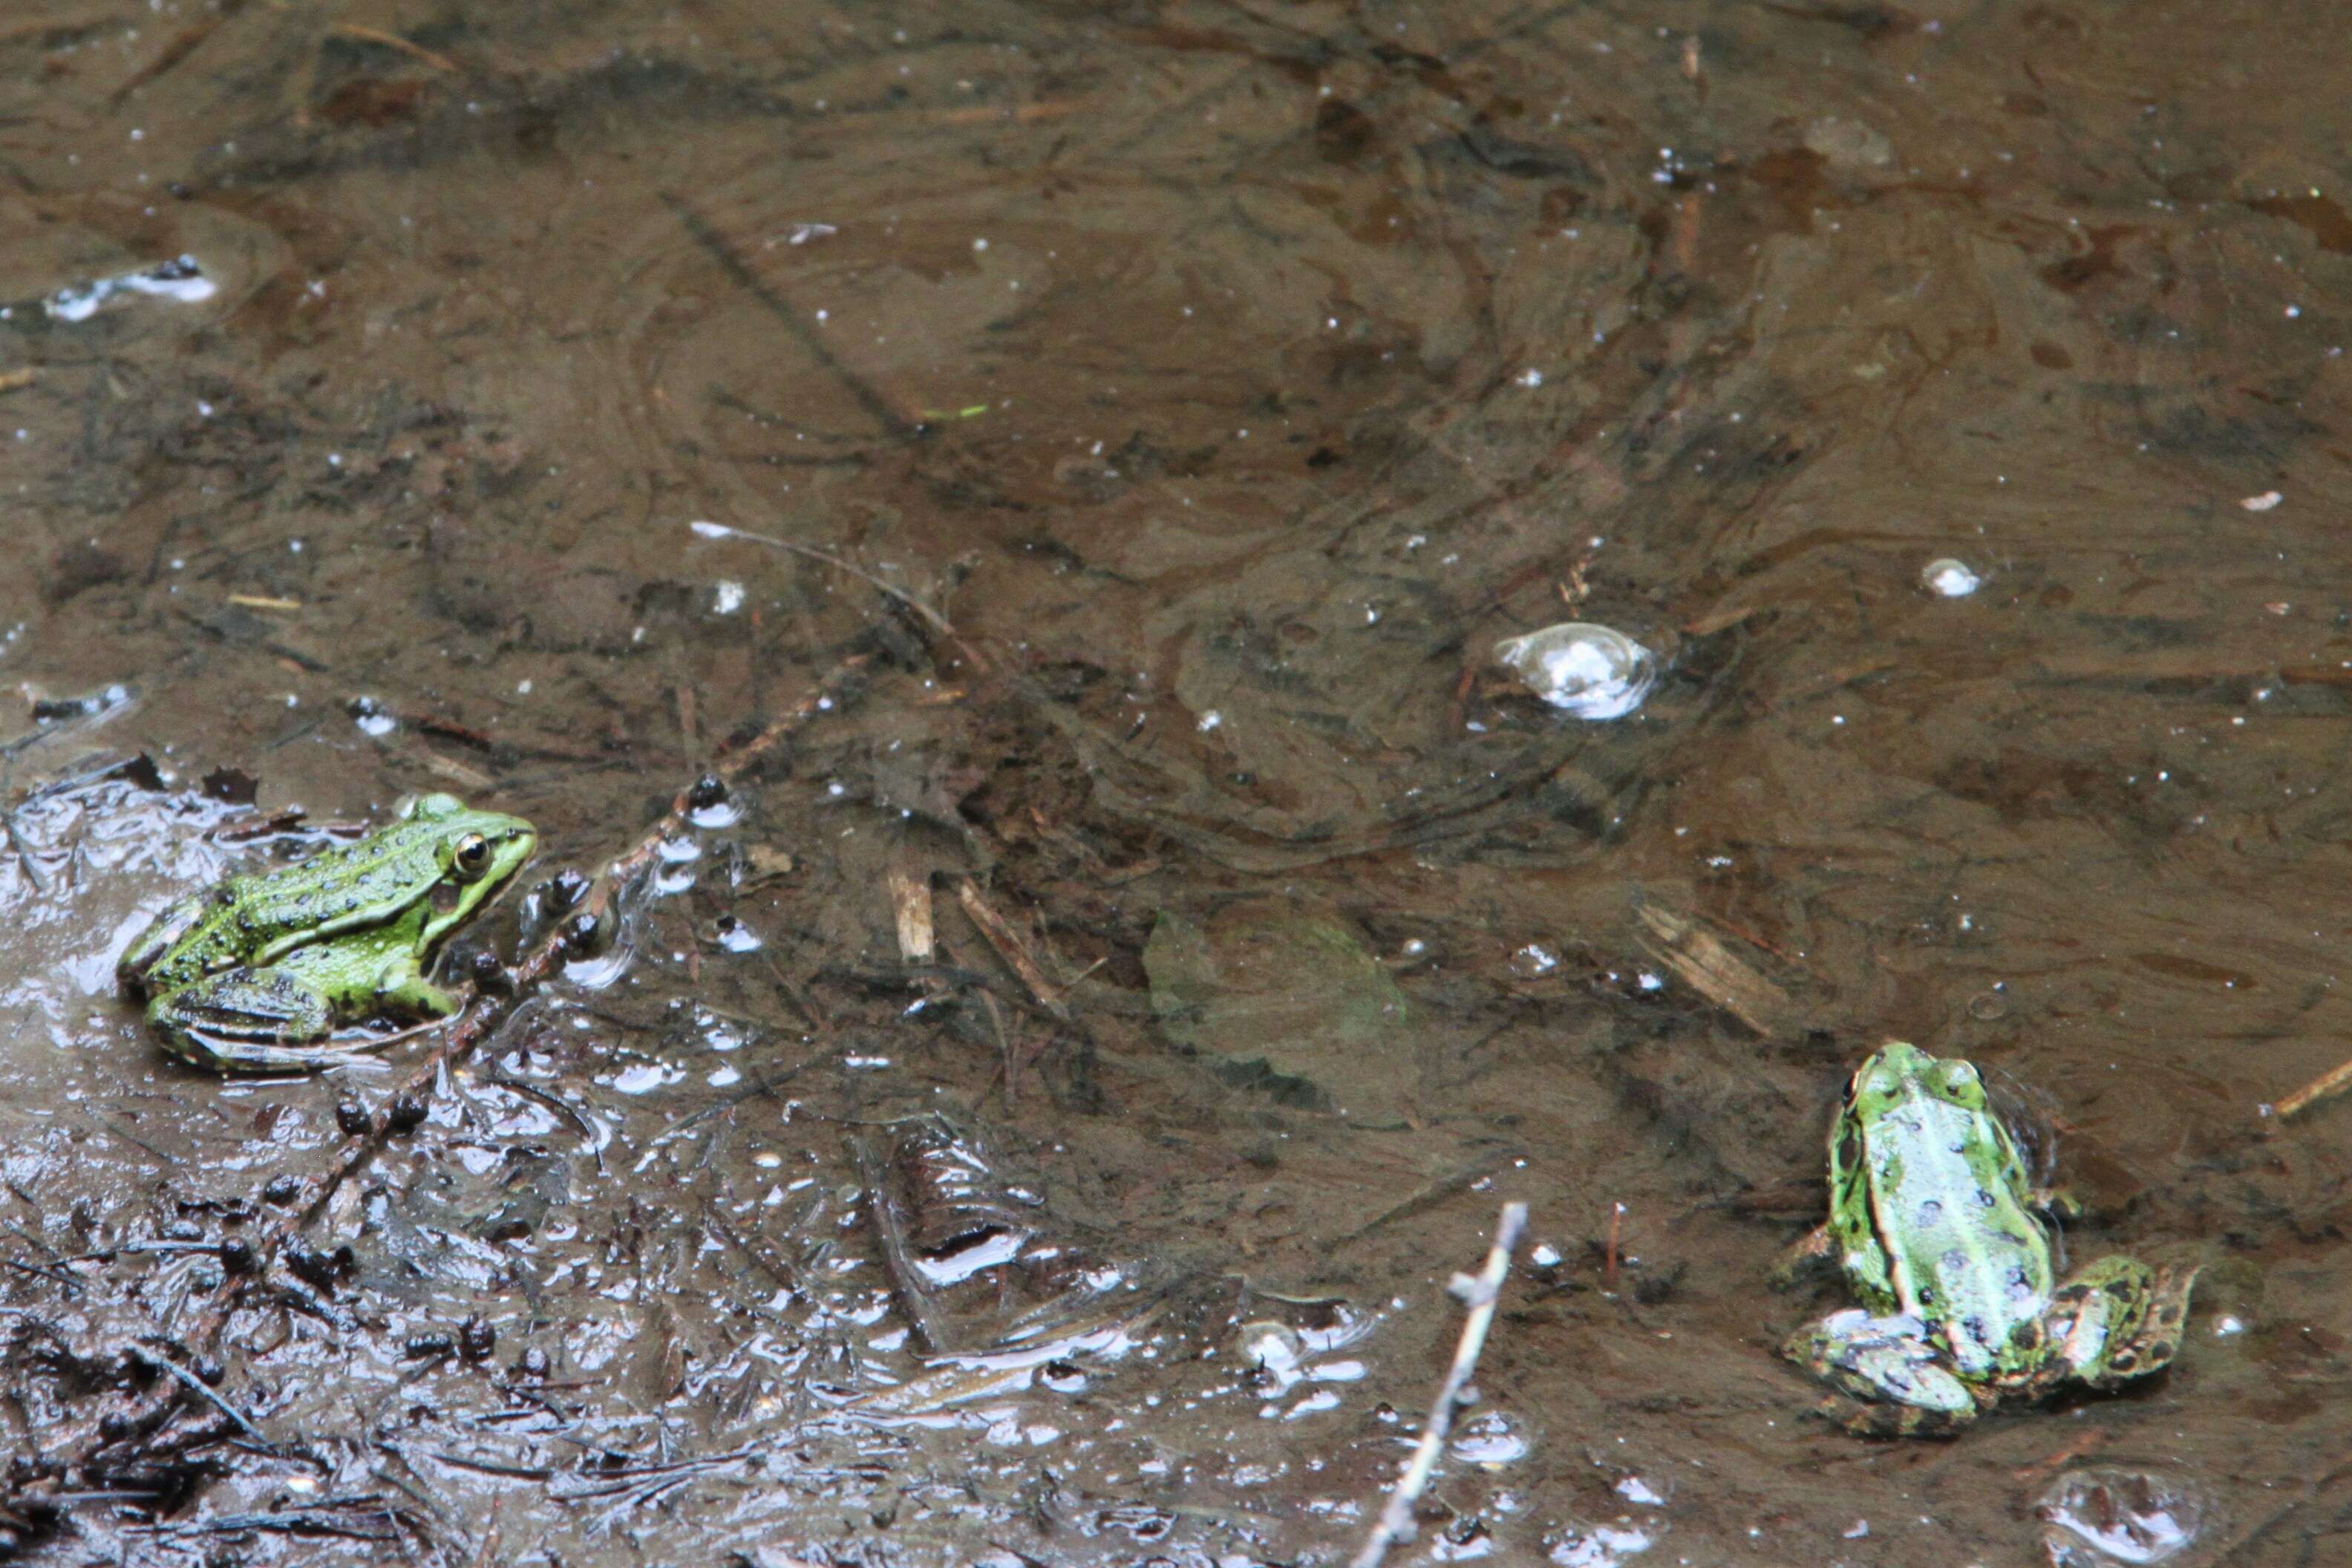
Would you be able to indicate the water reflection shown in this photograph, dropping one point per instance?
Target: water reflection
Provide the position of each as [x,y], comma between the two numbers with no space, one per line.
[2114,1514]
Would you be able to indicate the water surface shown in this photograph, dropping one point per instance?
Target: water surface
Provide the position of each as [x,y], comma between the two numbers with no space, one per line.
[1229,378]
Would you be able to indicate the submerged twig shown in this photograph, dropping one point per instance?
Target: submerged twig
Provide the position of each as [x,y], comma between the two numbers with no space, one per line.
[930,617]
[1435,1191]
[883,411]
[1608,1256]
[785,1272]
[562,1107]
[186,42]
[1013,948]
[318,1519]
[56,1277]
[2326,1086]
[393,41]
[1480,1295]
[483,1012]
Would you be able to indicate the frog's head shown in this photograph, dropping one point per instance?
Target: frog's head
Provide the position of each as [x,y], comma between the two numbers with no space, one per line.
[475,852]
[1899,1068]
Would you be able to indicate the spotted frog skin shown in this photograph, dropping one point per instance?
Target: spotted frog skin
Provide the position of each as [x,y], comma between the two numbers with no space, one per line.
[1933,1223]
[252,975]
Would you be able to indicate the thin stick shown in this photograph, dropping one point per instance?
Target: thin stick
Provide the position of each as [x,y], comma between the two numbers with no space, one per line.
[939,625]
[393,41]
[1013,949]
[482,1012]
[880,409]
[2326,1086]
[1479,1295]
[195,1385]
[931,617]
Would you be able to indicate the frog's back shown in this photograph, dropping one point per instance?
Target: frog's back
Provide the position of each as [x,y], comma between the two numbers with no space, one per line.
[244,919]
[374,877]
[1973,1257]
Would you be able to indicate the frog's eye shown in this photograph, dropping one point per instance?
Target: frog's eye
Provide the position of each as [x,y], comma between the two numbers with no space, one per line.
[471,857]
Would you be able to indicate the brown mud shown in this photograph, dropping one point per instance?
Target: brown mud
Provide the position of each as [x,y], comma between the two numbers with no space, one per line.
[1034,1118]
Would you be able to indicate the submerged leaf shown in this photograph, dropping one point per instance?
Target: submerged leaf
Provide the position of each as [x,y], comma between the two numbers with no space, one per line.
[1286,1001]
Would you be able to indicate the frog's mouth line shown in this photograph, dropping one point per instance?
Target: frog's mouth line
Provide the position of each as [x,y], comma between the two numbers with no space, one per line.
[513,878]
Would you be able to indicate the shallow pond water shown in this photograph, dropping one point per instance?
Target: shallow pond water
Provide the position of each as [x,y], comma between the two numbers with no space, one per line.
[1034,1117]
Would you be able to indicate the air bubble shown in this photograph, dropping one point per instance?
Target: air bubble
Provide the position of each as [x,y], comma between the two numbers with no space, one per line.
[1593,672]
[1949,579]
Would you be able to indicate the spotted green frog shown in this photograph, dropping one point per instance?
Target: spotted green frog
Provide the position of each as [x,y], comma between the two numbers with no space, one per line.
[1932,1222]
[251,975]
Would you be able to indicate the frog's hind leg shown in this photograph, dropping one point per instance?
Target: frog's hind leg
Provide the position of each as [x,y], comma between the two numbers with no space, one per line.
[246,1020]
[2168,1314]
[131,970]
[1887,1364]
[2121,1319]
[2117,1320]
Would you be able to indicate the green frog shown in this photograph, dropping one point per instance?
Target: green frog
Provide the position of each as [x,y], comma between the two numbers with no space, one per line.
[252,975]
[1932,1220]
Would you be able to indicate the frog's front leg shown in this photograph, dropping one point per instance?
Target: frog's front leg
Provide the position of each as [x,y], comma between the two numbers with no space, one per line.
[2058,1201]
[402,988]
[1890,1365]
[1812,1254]
[245,1020]
[2117,1320]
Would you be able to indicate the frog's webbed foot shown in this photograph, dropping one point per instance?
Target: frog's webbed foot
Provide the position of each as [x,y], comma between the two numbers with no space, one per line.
[1889,1365]
[1873,1420]
[246,1020]
[2116,1321]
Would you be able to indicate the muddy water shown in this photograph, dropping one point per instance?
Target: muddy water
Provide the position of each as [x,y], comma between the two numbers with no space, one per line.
[1221,381]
